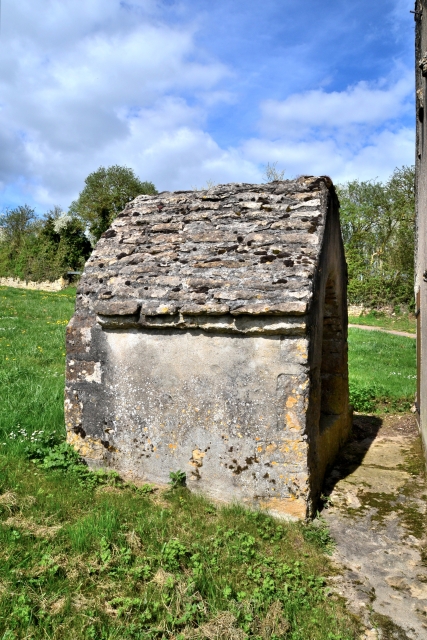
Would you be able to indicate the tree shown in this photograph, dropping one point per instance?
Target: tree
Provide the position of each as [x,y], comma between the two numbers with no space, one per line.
[378,226]
[64,240]
[105,194]
[16,224]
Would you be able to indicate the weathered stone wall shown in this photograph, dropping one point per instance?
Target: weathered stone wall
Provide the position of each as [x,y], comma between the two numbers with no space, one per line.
[329,411]
[56,285]
[197,343]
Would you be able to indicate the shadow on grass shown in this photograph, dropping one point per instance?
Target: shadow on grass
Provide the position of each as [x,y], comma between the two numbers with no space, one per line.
[364,431]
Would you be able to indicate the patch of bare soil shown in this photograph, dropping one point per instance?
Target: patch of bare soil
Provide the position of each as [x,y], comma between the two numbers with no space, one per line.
[376,506]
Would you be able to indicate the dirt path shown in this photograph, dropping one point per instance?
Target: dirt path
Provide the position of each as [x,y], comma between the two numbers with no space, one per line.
[376,511]
[392,331]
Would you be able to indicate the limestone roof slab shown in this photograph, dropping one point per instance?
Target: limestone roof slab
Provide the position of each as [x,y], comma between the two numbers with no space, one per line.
[238,249]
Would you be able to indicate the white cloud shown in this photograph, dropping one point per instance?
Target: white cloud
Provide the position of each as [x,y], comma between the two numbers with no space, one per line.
[355,133]
[168,145]
[376,159]
[70,91]
[183,154]
[360,105]
[111,82]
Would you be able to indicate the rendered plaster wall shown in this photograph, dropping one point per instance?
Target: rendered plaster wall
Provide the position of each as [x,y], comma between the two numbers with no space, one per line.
[228,410]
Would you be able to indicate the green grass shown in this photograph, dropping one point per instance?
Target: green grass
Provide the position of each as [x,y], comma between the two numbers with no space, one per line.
[85,555]
[112,563]
[382,371]
[32,325]
[398,322]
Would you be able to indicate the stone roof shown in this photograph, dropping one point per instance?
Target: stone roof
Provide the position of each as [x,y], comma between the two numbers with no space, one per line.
[236,250]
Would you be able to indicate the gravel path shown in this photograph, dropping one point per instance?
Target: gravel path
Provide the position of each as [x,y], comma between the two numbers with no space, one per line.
[394,333]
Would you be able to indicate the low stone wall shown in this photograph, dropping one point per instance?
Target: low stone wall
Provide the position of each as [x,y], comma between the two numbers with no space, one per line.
[356,309]
[387,310]
[56,285]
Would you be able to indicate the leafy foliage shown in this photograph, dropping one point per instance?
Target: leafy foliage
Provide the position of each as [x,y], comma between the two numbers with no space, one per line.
[378,226]
[65,236]
[373,398]
[105,194]
[173,554]
[177,479]
[15,225]
[46,249]
[41,249]
[51,453]
[363,398]
[317,533]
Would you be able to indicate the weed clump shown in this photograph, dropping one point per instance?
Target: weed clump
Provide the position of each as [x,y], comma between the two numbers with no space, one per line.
[317,533]
[50,453]
[177,479]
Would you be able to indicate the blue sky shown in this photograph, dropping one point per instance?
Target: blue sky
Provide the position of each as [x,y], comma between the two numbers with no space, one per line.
[190,91]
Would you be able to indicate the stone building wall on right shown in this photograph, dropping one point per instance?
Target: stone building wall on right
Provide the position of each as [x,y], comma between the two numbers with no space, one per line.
[421,211]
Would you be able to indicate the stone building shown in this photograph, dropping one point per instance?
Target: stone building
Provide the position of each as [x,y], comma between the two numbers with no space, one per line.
[210,336]
[421,213]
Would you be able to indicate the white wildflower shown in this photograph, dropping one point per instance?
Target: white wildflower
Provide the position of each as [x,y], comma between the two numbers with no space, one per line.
[62,222]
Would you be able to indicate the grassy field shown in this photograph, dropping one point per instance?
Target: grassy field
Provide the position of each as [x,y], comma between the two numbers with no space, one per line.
[32,328]
[83,555]
[382,371]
